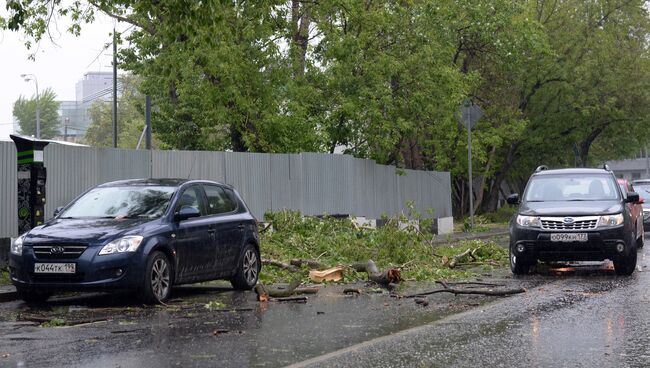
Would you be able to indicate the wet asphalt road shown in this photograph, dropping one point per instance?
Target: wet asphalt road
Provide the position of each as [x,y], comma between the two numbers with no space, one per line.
[584,317]
[570,316]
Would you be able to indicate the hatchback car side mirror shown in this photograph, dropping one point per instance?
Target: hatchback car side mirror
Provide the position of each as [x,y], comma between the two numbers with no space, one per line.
[513,198]
[186,212]
[57,211]
[632,197]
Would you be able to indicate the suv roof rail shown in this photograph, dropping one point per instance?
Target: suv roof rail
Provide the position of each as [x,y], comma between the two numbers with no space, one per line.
[541,168]
[606,167]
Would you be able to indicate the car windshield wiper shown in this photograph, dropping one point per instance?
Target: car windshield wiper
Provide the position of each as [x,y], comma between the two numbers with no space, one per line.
[133,216]
[67,217]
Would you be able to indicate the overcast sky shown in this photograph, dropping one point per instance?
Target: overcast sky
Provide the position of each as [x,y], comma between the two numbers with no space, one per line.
[57,66]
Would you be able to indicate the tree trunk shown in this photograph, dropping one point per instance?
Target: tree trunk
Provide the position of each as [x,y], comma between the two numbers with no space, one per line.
[481,188]
[300,21]
[501,175]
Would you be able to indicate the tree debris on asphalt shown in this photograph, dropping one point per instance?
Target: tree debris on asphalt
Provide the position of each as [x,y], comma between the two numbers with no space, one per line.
[389,276]
[331,274]
[267,292]
[457,291]
[349,291]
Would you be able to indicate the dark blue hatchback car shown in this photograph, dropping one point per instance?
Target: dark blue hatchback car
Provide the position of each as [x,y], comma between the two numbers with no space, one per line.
[143,235]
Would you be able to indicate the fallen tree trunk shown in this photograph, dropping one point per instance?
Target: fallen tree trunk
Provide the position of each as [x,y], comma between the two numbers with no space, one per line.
[390,276]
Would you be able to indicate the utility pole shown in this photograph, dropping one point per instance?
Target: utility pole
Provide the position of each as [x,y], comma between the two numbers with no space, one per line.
[147,121]
[114,89]
[470,114]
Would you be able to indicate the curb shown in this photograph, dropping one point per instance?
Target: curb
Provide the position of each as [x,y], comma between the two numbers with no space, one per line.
[8,294]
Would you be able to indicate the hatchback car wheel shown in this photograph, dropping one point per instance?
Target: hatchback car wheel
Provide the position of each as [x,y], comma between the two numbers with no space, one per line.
[248,269]
[157,281]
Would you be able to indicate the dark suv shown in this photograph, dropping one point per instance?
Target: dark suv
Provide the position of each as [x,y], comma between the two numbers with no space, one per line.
[143,235]
[573,215]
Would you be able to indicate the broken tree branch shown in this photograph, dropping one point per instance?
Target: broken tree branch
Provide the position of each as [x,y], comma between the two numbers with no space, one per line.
[390,276]
[266,293]
[311,263]
[286,266]
[447,289]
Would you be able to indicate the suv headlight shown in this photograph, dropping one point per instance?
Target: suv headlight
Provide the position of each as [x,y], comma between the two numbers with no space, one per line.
[529,221]
[126,244]
[17,245]
[611,220]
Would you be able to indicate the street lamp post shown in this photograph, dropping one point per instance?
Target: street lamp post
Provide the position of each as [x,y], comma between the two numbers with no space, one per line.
[30,77]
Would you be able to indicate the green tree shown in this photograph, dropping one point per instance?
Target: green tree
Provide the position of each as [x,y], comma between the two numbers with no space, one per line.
[25,113]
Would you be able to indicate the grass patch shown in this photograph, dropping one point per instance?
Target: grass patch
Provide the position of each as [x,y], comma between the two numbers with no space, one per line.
[341,242]
[502,215]
[54,322]
[4,277]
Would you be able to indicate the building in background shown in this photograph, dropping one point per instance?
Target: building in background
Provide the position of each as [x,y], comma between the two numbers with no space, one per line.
[74,116]
[633,169]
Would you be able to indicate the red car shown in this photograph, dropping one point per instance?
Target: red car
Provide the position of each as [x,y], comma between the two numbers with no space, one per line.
[636,210]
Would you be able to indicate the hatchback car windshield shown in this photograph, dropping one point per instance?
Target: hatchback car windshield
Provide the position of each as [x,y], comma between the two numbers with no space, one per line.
[121,202]
[572,188]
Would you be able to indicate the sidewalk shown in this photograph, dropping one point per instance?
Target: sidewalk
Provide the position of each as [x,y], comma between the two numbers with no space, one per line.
[449,238]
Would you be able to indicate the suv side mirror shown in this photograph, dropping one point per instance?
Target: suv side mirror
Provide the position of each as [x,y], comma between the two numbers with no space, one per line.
[186,212]
[632,197]
[57,211]
[513,198]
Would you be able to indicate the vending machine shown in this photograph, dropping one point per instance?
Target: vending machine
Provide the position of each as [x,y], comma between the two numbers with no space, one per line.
[32,177]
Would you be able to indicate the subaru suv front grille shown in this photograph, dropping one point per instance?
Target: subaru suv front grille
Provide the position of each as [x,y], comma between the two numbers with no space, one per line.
[59,251]
[569,223]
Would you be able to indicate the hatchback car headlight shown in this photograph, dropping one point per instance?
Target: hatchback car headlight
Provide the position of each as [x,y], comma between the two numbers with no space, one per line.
[17,245]
[529,221]
[126,244]
[611,220]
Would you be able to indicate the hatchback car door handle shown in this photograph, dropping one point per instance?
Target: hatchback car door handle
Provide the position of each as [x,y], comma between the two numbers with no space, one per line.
[211,231]
[240,226]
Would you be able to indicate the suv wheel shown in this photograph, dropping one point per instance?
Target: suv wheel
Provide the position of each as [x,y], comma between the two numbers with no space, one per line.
[248,269]
[625,265]
[517,266]
[157,283]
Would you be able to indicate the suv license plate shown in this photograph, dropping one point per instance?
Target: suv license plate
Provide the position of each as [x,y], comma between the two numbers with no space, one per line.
[55,267]
[576,237]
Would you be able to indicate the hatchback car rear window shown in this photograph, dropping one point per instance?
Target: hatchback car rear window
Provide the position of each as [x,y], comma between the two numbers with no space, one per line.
[121,202]
[572,188]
